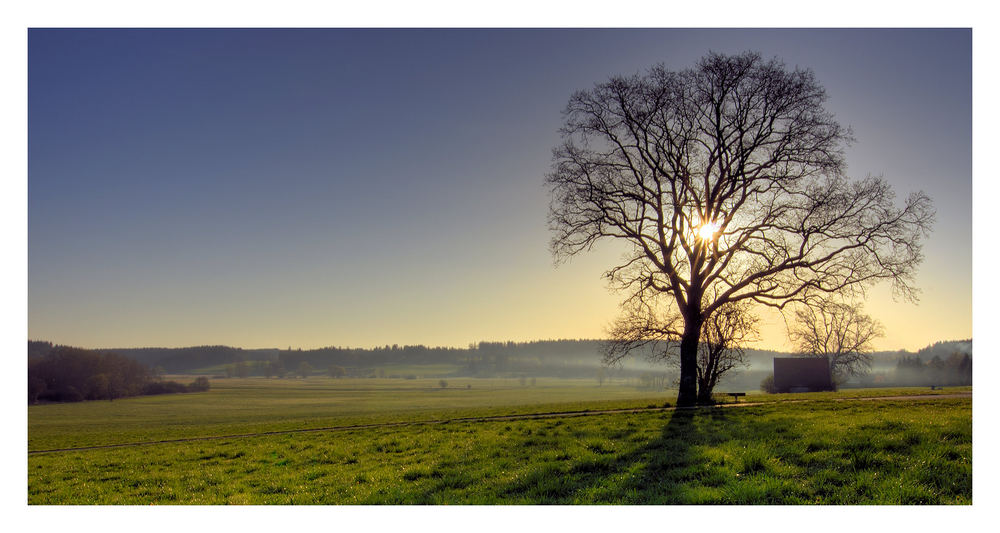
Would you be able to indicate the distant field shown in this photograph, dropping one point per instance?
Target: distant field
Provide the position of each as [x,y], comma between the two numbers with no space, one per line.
[891,451]
[260,404]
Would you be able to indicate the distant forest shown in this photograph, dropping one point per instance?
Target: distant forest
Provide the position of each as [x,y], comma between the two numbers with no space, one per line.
[68,374]
[942,363]
[562,357]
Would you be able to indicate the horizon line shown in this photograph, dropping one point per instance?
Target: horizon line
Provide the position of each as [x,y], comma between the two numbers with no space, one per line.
[432,347]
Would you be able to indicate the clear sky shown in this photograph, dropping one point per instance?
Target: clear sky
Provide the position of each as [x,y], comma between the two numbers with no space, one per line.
[306,188]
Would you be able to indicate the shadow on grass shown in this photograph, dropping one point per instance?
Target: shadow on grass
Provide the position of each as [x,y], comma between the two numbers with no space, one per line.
[671,468]
[752,455]
[680,465]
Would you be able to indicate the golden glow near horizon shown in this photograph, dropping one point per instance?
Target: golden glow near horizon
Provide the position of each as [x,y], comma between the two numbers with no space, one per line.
[449,307]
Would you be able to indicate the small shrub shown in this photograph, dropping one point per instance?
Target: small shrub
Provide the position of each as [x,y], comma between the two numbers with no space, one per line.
[200,384]
[767,384]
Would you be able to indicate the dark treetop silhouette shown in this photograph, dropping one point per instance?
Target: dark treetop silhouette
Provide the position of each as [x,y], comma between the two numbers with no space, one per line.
[727,180]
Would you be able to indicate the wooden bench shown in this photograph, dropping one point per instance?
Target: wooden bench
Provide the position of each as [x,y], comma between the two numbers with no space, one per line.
[736,395]
[936,387]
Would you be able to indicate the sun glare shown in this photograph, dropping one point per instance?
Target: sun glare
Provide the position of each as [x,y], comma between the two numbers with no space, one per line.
[707,230]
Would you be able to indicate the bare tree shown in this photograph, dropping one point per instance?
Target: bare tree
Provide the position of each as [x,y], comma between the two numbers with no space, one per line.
[724,336]
[837,330]
[727,183]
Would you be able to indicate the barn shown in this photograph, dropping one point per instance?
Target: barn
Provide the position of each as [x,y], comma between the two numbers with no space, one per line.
[802,374]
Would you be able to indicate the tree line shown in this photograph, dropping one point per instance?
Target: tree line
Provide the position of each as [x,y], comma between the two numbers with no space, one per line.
[481,358]
[722,358]
[68,374]
[180,360]
[912,370]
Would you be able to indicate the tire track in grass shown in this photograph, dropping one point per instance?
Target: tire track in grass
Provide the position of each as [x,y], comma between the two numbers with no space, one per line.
[478,419]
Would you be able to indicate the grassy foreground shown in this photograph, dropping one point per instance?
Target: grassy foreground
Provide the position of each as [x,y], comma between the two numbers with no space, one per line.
[830,452]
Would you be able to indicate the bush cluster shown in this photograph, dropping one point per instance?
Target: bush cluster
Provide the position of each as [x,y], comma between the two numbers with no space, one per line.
[67,374]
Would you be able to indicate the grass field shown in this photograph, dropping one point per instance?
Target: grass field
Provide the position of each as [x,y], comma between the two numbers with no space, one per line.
[259,405]
[824,451]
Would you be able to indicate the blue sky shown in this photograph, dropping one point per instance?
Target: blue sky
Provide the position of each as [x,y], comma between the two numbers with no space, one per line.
[274,188]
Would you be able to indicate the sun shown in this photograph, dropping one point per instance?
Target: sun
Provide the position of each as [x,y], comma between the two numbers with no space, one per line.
[707,230]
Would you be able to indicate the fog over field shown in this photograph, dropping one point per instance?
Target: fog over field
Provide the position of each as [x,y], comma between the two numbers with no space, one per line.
[936,364]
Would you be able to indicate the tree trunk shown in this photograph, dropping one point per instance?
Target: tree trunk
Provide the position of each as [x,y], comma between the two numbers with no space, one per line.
[709,376]
[688,393]
[705,392]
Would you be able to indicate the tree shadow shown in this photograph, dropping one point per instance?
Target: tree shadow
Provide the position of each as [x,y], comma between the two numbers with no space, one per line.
[646,474]
[672,468]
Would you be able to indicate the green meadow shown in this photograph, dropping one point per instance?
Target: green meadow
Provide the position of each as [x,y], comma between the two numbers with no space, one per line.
[828,450]
[254,405]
